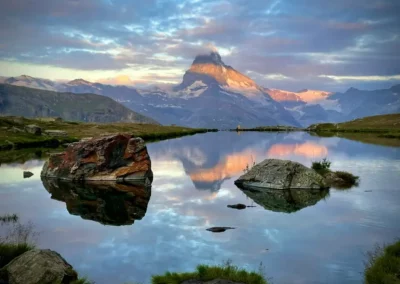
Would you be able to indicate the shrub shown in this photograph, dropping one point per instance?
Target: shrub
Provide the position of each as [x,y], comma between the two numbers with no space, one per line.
[206,273]
[383,265]
[10,251]
[348,178]
[321,167]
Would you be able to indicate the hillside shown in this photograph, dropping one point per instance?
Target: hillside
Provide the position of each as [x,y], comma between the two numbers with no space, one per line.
[29,102]
[377,123]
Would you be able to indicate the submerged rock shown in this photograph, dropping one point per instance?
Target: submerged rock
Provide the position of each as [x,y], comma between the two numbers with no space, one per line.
[281,174]
[38,267]
[238,206]
[108,203]
[286,200]
[117,157]
[27,174]
[219,229]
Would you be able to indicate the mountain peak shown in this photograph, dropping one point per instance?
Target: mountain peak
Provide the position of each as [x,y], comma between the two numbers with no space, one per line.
[79,82]
[211,58]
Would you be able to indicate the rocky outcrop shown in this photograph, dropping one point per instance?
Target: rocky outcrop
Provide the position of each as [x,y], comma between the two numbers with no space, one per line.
[56,133]
[118,157]
[38,267]
[286,200]
[33,129]
[281,174]
[108,203]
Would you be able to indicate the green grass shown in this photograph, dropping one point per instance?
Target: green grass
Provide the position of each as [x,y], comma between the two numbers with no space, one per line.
[383,265]
[321,167]
[336,179]
[206,273]
[387,125]
[77,130]
[10,251]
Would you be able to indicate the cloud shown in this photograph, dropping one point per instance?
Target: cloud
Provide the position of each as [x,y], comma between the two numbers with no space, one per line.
[300,40]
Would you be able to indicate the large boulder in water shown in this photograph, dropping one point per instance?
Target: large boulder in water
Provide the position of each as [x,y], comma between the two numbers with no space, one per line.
[118,157]
[38,267]
[281,174]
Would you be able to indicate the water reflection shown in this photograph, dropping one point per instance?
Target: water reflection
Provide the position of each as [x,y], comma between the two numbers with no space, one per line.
[303,247]
[107,203]
[287,201]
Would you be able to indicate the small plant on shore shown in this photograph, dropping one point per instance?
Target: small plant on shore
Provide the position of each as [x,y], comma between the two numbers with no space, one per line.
[383,265]
[17,239]
[249,167]
[348,179]
[226,271]
[321,167]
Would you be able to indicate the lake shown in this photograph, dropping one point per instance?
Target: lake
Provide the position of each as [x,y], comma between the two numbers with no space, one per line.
[320,241]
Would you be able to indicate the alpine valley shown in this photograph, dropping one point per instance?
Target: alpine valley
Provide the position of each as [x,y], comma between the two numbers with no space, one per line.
[215,95]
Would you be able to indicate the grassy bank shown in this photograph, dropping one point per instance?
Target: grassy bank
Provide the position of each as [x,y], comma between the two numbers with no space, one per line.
[207,273]
[12,135]
[383,265]
[386,125]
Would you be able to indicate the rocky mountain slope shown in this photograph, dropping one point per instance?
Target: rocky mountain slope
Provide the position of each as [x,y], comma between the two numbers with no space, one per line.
[29,102]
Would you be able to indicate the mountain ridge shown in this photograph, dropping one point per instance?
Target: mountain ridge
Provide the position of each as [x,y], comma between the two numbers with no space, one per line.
[33,102]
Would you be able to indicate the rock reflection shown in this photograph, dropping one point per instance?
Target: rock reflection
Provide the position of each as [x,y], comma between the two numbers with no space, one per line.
[287,200]
[108,203]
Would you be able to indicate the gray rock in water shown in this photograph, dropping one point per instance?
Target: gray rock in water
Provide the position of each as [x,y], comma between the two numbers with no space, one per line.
[281,174]
[56,133]
[33,129]
[27,174]
[38,267]
[238,206]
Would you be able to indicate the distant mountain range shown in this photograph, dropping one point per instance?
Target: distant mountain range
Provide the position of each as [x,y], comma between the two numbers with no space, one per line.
[29,102]
[213,94]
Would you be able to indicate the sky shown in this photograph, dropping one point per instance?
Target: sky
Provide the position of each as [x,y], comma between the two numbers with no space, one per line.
[292,44]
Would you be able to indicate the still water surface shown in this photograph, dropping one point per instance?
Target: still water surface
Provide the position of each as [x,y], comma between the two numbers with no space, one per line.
[323,241]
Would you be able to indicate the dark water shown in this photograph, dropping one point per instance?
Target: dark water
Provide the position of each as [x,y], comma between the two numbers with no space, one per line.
[322,241]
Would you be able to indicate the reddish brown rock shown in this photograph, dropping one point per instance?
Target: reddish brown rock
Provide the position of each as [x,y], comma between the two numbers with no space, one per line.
[118,157]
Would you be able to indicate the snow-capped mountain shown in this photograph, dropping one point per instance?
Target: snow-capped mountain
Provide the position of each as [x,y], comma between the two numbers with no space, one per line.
[213,94]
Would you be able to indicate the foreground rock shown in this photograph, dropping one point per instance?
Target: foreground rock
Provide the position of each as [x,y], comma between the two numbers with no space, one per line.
[108,203]
[38,267]
[27,174]
[219,229]
[116,157]
[281,174]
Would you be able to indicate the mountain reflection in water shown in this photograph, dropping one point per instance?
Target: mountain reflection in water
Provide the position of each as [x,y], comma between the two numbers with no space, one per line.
[108,203]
